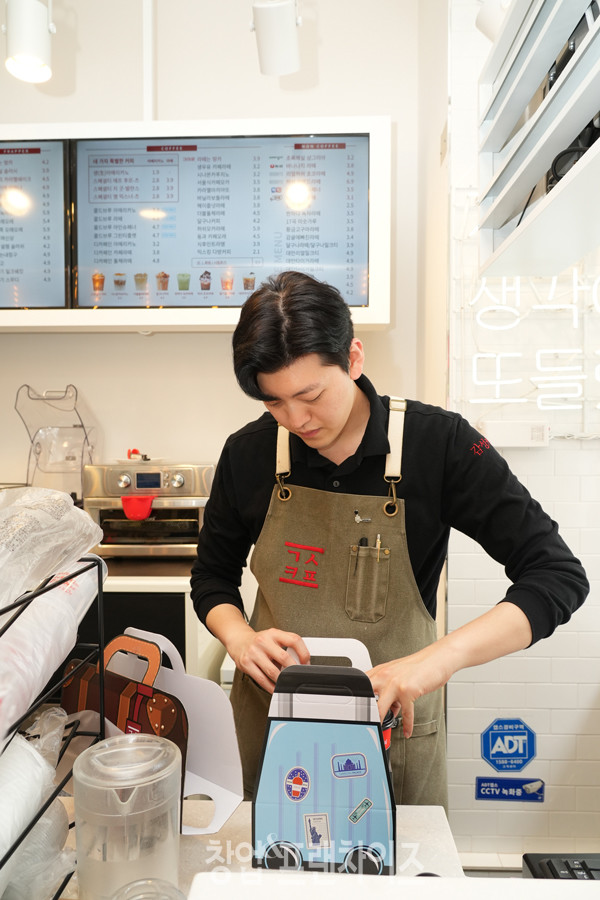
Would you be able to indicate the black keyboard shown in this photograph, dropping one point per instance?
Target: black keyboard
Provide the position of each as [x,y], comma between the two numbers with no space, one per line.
[584,867]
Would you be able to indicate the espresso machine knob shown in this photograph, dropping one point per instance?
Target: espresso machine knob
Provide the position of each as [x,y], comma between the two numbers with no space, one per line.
[177,480]
[124,480]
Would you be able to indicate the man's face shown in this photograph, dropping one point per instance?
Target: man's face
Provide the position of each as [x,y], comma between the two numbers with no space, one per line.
[315,401]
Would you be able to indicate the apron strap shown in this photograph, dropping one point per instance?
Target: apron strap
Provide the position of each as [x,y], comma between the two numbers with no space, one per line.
[393,461]
[283,464]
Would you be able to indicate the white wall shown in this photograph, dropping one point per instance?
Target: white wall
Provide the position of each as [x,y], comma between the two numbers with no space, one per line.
[173,395]
[554,687]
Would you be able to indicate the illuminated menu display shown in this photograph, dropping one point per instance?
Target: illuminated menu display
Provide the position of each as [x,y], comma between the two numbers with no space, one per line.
[32,225]
[202,221]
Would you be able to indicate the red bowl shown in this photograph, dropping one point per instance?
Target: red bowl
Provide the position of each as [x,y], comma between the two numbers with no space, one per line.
[137,508]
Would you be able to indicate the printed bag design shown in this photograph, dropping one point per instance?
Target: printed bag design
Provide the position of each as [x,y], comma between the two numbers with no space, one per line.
[133,706]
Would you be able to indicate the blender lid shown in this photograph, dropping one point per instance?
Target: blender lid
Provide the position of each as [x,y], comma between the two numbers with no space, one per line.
[127,760]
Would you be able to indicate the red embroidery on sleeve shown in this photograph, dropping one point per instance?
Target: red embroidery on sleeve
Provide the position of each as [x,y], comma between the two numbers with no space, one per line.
[480,446]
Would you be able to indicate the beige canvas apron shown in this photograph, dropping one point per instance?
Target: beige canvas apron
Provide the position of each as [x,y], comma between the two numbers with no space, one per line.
[318,579]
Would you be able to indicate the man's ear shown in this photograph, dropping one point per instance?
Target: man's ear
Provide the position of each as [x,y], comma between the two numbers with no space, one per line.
[357,359]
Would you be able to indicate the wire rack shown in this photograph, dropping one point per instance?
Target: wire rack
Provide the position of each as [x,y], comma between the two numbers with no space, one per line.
[73,729]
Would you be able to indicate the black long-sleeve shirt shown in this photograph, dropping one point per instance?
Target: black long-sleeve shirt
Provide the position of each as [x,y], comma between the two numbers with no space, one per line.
[451,478]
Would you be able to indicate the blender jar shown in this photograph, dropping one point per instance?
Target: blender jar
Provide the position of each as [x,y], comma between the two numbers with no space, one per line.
[127,813]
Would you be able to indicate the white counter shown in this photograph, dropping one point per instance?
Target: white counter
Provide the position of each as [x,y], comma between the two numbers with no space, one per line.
[295,886]
[424,843]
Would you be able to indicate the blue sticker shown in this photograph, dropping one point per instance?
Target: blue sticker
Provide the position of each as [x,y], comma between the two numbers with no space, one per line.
[508,744]
[526,790]
[349,765]
[297,783]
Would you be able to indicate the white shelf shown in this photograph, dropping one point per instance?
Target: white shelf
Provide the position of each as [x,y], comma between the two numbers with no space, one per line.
[538,42]
[559,229]
[562,228]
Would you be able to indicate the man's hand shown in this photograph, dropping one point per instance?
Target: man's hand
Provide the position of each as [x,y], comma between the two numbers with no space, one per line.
[398,683]
[263,654]
[260,654]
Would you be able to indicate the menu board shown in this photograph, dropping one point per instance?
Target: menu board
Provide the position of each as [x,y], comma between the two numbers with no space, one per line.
[32,225]
[201,222]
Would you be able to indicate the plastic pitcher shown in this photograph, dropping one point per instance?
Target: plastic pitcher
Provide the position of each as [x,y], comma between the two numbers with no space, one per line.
[127,813]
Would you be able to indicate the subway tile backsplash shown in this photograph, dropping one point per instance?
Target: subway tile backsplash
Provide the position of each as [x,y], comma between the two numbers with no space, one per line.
[554,686]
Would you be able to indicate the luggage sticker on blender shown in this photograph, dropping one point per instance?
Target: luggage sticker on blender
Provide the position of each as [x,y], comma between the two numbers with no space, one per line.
[359,811]
[349,765]
[316,828]
[297,783]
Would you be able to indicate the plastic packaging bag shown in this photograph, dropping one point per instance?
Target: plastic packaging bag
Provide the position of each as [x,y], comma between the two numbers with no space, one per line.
[48,730]
[41,864]
[41,532]
[38,641]
[26,780]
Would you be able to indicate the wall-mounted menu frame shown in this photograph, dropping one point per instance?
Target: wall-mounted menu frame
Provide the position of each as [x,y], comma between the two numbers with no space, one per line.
[201,221]
[34,225]
[219,316]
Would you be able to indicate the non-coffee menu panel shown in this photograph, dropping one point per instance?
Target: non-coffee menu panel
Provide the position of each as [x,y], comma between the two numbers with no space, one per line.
[32,225]
[202,221]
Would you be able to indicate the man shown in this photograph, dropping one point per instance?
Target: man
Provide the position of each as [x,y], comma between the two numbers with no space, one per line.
[349,498]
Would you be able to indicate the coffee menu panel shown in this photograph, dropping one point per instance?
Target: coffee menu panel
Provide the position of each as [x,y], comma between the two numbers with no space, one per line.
[32,225]
[202,221]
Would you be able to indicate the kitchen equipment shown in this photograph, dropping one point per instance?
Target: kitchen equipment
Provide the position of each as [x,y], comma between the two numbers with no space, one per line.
[137,508]
[176,492]
[127,810]
[61,432]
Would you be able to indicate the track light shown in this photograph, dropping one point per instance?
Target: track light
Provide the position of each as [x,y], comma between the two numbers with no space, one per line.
[28,29]
[276,25]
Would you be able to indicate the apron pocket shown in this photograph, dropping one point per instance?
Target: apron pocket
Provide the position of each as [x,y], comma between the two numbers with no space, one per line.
[420,729]
[367,583]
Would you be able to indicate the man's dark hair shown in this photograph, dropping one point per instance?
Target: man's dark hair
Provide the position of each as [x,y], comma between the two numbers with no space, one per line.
[290,315]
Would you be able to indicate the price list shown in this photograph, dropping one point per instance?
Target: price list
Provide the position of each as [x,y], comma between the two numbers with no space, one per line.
[203,221]
[32,225]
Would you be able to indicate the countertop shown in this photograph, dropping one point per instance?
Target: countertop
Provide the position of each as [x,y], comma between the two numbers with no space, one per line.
[148,574]
[424,843]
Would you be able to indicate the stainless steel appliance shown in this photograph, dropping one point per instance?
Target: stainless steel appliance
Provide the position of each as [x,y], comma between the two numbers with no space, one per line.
[176,494]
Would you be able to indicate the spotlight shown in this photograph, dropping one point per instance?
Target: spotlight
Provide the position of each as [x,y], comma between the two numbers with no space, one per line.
[276,25]
[28,29]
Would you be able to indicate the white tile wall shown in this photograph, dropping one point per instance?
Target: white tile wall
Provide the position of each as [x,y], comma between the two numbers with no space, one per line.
[555,685]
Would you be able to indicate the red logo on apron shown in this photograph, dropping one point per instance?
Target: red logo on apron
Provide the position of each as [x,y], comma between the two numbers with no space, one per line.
[304,573]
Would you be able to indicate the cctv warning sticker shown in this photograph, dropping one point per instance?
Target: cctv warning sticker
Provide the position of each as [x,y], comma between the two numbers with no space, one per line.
[297,783]
[527,790]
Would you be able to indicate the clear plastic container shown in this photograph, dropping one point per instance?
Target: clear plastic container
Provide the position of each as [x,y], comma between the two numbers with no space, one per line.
[127,813]
[149,889]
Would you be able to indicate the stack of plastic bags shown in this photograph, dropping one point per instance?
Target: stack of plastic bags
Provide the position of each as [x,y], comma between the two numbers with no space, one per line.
[42,534]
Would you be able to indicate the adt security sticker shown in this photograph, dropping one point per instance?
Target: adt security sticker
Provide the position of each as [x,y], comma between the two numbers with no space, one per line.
[508,744]
[526,790]
[297,783]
